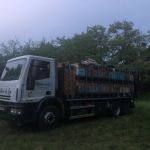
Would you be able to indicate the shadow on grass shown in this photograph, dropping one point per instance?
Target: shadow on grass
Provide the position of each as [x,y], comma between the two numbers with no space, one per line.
[32,128]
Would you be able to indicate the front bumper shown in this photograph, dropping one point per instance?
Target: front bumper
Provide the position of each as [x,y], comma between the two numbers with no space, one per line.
[18,112]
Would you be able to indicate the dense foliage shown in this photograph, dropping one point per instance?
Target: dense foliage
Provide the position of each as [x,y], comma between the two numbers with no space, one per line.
[120,45]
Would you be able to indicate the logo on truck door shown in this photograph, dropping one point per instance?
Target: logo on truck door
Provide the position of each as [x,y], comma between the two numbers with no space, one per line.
[29,93]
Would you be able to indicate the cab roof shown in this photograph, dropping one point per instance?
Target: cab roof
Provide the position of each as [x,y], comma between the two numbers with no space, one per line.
[32,56]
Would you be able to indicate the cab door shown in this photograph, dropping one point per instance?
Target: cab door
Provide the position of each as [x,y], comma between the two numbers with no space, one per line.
[41,80]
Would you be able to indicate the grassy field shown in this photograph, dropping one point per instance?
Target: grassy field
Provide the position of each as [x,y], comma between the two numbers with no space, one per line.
[129,132]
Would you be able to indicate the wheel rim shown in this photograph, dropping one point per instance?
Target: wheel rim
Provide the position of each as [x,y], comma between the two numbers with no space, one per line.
[118,111]
[49,118]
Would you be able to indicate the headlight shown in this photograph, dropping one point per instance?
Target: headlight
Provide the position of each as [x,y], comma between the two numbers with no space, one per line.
[16,111]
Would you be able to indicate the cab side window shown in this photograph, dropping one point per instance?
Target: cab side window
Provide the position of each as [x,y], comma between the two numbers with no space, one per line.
[41,69]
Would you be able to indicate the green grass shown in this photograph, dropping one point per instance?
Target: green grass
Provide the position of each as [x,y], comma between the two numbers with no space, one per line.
[129,132]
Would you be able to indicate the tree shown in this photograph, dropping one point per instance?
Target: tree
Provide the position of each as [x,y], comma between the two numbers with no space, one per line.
[12,47]
[124,43]
[89,44]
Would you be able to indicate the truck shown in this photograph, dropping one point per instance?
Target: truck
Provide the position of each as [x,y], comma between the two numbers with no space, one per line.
[39,90]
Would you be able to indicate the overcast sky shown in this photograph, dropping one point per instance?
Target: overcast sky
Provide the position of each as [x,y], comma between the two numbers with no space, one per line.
[35,19]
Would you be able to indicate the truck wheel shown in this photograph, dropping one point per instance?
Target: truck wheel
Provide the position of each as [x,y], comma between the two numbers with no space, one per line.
[49,118]
[115,109]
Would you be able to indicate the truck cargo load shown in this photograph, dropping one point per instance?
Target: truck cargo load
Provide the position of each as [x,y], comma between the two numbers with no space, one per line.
[94,80]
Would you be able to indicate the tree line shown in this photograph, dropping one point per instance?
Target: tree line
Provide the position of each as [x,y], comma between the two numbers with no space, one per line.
[120,45]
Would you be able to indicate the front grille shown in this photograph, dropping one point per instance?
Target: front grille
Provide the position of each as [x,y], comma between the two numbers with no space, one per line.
[4,97]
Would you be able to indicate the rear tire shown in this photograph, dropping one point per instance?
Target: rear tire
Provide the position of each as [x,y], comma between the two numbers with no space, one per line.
[49,117]
[115,109]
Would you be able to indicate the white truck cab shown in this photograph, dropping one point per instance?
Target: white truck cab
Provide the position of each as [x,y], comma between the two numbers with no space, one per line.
[25,81]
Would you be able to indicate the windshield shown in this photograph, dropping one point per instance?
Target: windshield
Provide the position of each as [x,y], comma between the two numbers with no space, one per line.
[13,69]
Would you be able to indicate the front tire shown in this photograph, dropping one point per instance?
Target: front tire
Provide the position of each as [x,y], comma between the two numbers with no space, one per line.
[49,117]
